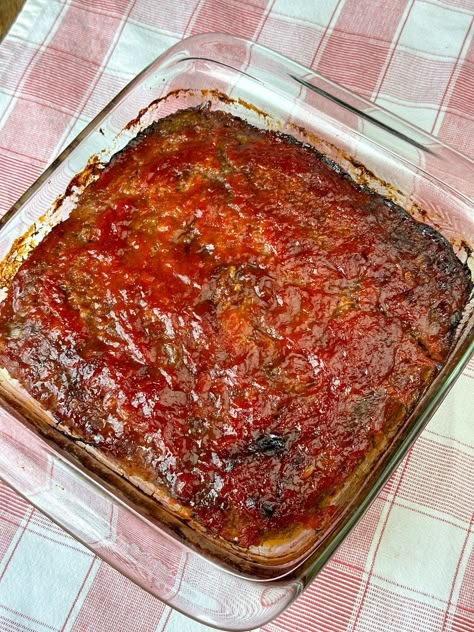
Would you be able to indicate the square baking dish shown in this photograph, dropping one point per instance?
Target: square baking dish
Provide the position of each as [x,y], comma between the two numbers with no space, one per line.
[153,548]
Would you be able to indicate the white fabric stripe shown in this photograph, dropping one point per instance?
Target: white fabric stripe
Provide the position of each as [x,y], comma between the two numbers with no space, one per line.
[452,83]
[31,15]
[5,560]
[82,596]
[395,38]
[77,115]
[327,35]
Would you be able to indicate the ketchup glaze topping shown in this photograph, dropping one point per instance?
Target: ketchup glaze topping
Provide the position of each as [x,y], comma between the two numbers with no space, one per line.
[233,319]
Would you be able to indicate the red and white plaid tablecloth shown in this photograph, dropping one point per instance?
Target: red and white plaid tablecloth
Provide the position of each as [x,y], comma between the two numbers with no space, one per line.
[409,565]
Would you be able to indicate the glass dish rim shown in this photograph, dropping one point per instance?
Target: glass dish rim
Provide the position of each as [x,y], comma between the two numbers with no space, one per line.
[464,353]
[280,57]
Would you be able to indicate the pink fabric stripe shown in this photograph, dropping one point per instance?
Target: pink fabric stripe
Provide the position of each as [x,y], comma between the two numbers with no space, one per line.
[50,88]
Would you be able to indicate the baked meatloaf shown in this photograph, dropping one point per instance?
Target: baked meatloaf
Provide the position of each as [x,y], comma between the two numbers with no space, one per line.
[230,318]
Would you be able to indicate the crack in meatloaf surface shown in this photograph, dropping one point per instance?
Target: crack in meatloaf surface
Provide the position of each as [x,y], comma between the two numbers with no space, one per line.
[230,316]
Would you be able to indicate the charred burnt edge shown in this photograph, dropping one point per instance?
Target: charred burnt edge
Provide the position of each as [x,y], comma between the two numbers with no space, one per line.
[428,232]
[205,108]
[267,508]
[467,248]
[74,438]
[136,140]
[425,229]
[361,113]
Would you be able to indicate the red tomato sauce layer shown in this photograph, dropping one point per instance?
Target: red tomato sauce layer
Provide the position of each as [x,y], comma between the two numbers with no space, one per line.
[232,318]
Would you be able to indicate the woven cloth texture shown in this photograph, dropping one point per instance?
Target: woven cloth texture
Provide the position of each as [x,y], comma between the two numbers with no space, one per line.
[409,564]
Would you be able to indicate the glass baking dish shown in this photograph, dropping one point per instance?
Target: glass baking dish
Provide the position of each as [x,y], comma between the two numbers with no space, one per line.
[156,550]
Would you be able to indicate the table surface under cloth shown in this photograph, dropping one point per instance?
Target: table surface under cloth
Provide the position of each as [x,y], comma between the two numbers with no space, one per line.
[409,564]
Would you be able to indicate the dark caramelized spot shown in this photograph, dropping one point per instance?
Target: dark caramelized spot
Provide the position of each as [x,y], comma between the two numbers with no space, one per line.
[267,508]
[270,444]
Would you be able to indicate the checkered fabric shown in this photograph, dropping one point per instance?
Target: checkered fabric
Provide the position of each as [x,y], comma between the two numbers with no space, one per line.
[409,565]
